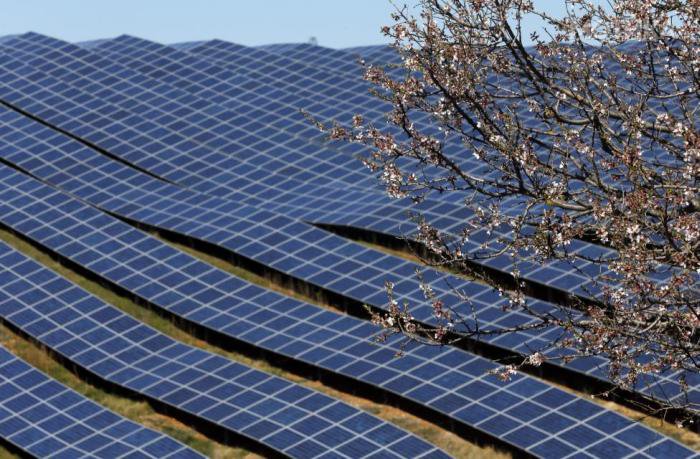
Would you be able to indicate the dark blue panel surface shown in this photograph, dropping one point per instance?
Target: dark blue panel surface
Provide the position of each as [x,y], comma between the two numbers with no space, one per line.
[43,418]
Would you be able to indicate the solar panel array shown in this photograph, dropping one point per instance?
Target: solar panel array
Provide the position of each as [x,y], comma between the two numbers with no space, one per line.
[270,184]
[316,206]
[452,382]
[205,140]
[238,399]
[355,271]
[45,418]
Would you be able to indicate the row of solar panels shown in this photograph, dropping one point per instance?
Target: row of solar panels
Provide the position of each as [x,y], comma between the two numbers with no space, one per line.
[272,145]
[99,106]
[327,272]
[450,381]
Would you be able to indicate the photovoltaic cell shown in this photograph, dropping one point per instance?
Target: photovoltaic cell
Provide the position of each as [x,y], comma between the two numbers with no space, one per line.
[42,417]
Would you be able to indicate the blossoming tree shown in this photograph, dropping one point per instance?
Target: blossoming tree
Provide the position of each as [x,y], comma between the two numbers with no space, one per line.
[589,132]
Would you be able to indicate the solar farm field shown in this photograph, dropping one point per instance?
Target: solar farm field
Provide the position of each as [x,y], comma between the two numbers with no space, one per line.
[188,267]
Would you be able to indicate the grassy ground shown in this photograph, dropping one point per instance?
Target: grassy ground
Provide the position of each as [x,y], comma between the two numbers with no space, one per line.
[143,413]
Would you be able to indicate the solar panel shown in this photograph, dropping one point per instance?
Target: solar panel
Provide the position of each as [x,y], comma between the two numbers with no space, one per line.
[202,294]
[269,67]
[42,417]
[234,227]
[286,417]
[336,96]
[157,109]
[384,218]
[290,85]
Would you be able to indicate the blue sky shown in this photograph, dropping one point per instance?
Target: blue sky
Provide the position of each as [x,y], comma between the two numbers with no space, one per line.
[334,23]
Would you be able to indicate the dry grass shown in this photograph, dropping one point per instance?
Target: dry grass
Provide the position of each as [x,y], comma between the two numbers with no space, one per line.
[143,413]
[7,454]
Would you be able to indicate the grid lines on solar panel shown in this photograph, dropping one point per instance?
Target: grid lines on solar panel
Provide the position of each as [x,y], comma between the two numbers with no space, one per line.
[42,417]
[167,208]
[322,338]
[270,410]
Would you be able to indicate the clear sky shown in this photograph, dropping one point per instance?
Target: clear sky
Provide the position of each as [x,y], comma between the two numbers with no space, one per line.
[334,23]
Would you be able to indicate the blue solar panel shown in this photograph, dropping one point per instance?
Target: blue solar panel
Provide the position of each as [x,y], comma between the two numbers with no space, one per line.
[189,115]
[212,220]
[236,398]
[43,418]
[289,327]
